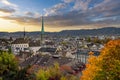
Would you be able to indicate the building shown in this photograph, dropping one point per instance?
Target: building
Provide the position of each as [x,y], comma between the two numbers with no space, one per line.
[47,50]
[34,46]
[83,55]
[20,44]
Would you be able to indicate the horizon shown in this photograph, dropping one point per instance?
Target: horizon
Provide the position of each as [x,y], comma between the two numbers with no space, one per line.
[61,30]
[58,15]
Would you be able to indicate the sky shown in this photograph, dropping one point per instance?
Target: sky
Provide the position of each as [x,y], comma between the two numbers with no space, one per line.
[58,14]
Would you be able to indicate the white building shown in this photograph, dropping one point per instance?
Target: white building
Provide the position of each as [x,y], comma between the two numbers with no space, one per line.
[34,46]
[69,55]
[20,44]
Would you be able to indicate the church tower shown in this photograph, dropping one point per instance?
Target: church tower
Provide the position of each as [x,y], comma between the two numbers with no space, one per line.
[24,35]
[42,31]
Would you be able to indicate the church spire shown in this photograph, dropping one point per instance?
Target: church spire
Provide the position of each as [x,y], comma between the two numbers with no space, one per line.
[24,33]
[42,30]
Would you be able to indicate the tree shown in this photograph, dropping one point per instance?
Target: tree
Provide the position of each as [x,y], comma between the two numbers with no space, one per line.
[8,66]
[53,73]
[89,39]
[24,75]
[50,73]
[10,50]
[106,66]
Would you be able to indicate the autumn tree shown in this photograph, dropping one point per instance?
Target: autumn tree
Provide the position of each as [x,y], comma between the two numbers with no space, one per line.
[53,73]
[106,66]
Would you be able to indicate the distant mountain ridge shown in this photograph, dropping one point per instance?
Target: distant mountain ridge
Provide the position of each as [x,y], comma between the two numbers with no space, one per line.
[101,31]
[83,32]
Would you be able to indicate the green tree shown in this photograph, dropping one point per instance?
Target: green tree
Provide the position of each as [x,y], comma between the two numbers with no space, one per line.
[89,39]
[8,66]
[24,75]
[106,66]
[10,50]
[53,73]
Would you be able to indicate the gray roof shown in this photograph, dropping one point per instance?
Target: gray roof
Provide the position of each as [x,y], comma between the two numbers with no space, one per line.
[47,49]
[20,41]
[34,43]
[45,60]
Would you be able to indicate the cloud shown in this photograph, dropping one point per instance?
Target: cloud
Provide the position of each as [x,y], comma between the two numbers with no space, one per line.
[55,10]
[29,13]
[81,5]
[25,20]
[7,3]
[7,9]
[68,1]
[71,19]
[33,14]
[79,19]
[108,8]
[103,14]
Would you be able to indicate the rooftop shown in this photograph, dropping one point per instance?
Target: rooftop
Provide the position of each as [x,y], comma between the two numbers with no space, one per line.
[20,41]
[45,60]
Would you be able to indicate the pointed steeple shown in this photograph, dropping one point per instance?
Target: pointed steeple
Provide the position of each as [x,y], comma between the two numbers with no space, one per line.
[42,30]
[24,33]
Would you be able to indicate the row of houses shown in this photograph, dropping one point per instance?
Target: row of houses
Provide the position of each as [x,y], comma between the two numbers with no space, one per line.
[24,45]
[70,48]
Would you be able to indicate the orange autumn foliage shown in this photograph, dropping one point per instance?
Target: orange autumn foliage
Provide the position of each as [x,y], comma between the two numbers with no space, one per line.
[91,53]
[106,66]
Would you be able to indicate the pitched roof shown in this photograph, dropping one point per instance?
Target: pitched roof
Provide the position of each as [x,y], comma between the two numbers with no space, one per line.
[34,43]
[44,60]
[20,41]
[47,49]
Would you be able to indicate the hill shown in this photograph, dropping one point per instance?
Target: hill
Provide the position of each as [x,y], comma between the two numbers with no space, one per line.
[83,32]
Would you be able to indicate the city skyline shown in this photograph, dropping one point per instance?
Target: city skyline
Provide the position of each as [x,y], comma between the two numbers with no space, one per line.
[58,14]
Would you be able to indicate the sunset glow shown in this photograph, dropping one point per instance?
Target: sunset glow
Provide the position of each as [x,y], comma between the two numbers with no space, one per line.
[58,14]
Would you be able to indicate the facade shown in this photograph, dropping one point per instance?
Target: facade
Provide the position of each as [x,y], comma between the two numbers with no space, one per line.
[83,55]
[34,46]
[20,44]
